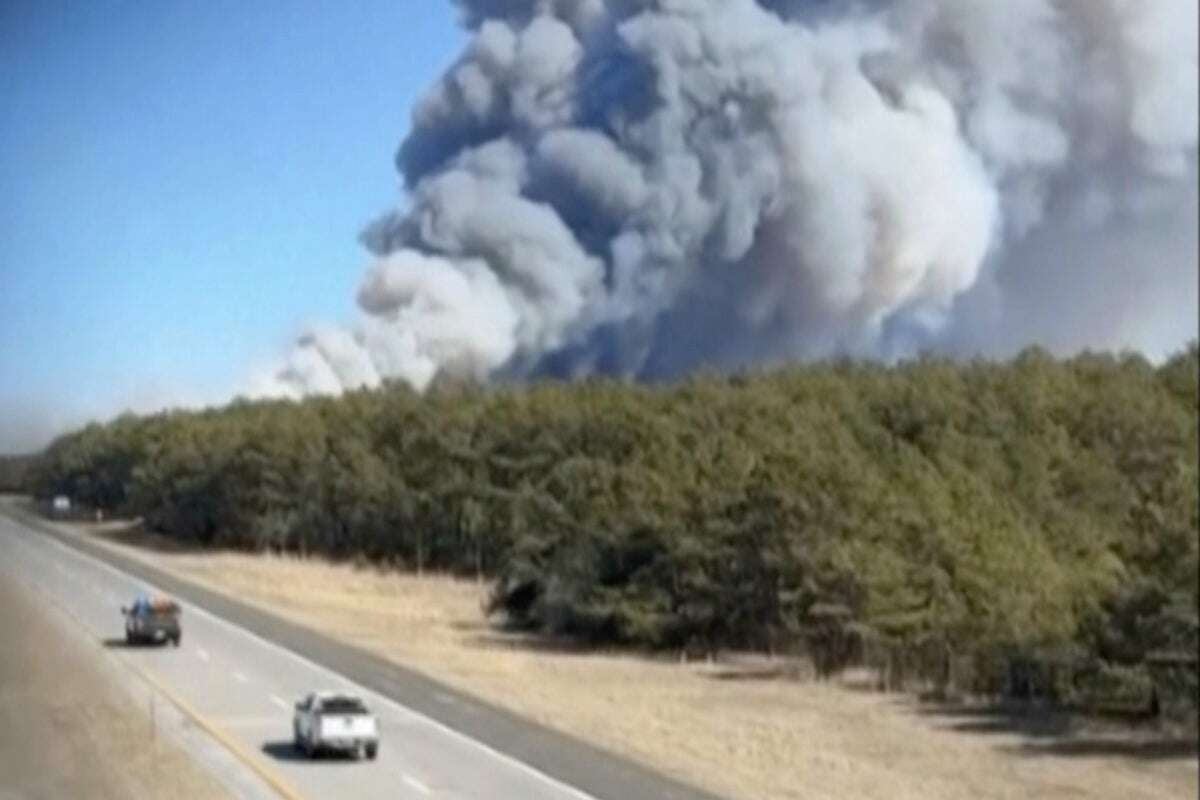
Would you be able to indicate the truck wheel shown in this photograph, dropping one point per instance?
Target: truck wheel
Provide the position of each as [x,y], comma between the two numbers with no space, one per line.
[372,749]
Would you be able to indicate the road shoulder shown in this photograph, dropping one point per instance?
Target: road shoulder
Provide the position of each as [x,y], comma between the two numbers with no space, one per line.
[68,728]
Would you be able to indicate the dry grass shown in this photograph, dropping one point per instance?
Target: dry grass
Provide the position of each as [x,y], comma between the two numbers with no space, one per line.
[739,737]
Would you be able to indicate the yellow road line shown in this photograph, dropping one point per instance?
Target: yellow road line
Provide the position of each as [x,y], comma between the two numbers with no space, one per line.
[269,775]
[273,778]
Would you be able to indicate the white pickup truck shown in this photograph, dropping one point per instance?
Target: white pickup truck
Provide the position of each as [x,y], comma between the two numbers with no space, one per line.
[335,721]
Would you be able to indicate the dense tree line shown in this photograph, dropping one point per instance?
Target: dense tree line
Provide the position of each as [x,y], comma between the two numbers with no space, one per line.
[940,519]
[14,472]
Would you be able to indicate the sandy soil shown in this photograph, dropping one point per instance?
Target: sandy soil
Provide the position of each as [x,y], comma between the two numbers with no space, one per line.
[720,726]
[66,730]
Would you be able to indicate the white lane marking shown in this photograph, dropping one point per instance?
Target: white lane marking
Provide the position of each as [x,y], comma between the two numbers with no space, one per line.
[504,758]
[521,766]
[239,677]
[279,701]
[202,653]
[416,784]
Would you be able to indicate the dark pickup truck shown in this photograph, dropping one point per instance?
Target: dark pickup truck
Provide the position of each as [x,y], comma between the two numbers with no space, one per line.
[152,620]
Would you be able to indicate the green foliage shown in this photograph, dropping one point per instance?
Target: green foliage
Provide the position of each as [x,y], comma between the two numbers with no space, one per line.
[1103,686]
[15,472]
[929,515]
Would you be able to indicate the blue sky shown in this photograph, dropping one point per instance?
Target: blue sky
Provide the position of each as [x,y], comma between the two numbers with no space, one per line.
[184,183]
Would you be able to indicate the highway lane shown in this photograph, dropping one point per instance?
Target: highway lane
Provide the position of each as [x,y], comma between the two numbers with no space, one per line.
[246,686]
[547,759]
[75,725]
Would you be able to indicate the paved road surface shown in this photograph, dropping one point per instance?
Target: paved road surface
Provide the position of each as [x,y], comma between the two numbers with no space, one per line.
[436,743]
[68,727]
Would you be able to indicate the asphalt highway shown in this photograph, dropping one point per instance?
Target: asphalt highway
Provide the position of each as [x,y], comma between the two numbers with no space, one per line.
[73,725]
[240,671]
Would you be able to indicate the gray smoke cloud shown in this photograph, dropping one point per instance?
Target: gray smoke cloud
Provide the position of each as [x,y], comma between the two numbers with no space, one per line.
[641,187]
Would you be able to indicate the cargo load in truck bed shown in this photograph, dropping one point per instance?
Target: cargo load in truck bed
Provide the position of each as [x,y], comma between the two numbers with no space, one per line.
[152,619]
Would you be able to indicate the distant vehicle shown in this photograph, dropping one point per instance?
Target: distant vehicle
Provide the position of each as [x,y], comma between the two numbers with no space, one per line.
[337,722]
[61,505]
[151,620]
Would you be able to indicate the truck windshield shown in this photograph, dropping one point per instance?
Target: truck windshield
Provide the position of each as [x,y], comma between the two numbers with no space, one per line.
[343,705]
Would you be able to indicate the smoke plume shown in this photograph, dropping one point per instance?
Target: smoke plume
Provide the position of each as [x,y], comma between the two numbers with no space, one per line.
[641,187]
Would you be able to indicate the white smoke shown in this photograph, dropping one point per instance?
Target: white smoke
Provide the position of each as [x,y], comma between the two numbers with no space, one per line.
[644,186]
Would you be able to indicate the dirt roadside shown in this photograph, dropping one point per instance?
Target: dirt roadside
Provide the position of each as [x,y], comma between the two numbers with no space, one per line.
[728,731]
[66,730]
